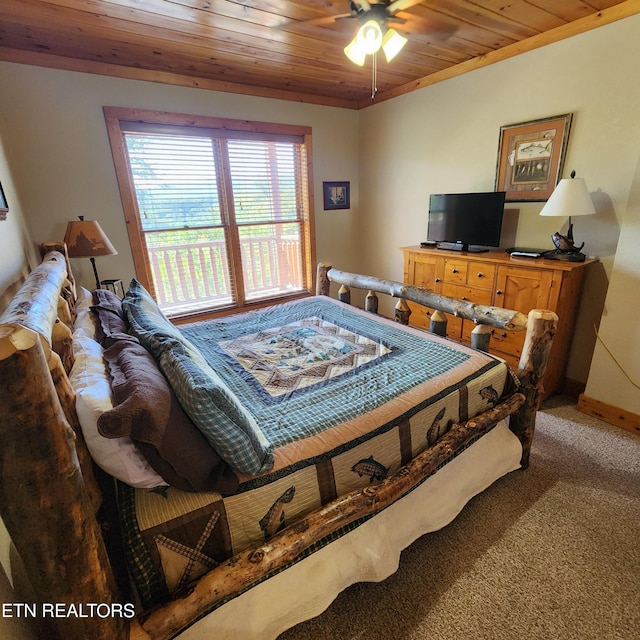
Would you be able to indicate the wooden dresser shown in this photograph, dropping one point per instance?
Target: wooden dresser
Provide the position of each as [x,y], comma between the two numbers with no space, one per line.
[494,278]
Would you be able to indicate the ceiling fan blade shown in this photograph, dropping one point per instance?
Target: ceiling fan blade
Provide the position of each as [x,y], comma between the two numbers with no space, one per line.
[365,5]
[402,5]
[317,22]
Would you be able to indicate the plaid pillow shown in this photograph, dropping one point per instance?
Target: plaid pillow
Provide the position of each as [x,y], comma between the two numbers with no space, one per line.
[228,427]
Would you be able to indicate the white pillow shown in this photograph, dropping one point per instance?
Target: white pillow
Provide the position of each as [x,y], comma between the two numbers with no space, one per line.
[86,319]
[90,380]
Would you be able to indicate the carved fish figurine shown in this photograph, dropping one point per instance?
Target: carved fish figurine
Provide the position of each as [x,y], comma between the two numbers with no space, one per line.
[433,432]
[274,520]
[370,467]
[489,394]
[564,244]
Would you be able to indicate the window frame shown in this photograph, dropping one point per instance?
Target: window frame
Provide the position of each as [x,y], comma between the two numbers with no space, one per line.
[120,120]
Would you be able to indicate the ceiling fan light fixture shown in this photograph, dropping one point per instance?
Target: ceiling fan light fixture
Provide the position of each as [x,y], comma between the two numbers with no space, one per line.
[392,43]
[354,52]
[369,37]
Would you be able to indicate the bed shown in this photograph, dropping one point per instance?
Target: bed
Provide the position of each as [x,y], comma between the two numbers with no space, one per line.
[339,438]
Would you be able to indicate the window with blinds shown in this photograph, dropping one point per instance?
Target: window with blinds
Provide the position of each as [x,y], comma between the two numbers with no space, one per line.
[222,215]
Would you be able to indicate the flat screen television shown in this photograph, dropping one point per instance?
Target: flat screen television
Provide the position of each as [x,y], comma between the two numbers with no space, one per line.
[466,221]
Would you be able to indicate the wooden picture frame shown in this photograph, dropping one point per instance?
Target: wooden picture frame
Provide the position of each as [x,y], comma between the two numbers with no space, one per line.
[531,158]
[4,207]
[337,195]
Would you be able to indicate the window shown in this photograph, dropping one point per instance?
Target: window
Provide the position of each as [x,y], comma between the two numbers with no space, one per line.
[218,211]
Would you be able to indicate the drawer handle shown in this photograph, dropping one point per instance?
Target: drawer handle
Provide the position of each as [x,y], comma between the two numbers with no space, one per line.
[454,270]
[498,292]
[480,274]
[464,298]
[437,279]
[502,335]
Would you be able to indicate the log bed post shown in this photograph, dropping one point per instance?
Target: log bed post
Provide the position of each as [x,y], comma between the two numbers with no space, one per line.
[43,501]
[541,328]
[438,323]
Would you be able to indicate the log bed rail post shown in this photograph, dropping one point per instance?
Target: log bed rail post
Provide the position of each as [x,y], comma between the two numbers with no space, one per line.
[43,500]
[48,494]
[481,314]
[541,327]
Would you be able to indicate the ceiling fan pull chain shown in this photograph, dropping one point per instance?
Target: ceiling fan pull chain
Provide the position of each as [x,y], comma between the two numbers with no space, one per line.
[374,76]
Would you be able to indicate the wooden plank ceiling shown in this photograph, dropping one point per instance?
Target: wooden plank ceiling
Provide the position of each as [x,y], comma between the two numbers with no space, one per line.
[290,49]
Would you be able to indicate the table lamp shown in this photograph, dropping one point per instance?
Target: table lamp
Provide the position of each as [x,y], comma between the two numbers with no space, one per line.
[86,239]
[569,198]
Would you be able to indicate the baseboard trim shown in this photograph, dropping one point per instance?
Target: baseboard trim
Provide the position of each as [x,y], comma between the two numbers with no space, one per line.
[622,418]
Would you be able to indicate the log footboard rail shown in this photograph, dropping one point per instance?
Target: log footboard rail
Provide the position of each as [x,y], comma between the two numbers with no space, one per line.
[48,494]
[540,326]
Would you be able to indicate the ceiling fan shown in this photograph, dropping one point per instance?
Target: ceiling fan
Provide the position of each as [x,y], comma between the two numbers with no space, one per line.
[374,32]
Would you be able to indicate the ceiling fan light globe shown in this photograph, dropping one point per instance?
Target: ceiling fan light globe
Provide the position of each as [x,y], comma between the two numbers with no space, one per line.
[392,44]
[355,53]
[369,37]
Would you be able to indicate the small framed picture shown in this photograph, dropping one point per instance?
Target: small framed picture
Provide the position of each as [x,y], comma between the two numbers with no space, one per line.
[4,207]
[336,195]
[531,158]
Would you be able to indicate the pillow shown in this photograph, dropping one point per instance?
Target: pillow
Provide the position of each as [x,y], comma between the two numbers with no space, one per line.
[147,322]
[147,410]
[226,425]
[91,384]
[86,319]
[229,429]
[112,323]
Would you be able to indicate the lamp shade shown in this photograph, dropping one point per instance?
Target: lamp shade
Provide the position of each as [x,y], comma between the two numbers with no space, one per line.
[570,198]
[86,239]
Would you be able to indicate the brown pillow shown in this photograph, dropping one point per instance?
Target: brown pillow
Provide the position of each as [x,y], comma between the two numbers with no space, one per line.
[112,323]
[147,410]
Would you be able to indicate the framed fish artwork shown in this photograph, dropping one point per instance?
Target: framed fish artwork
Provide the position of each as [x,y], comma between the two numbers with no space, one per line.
[531,158]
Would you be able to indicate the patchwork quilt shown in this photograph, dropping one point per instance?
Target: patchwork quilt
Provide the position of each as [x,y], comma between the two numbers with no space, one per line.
[341,399]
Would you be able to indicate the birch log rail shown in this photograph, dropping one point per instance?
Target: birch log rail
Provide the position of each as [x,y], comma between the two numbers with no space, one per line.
[45,493]
[483,314]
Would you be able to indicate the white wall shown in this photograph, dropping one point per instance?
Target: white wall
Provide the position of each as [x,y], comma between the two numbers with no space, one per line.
[55,134]
[445,138]
[611,382]
[16,250]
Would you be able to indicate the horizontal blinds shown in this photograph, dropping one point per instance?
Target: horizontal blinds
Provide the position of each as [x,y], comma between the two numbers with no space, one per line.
[175,181]
[264,181]
[223,213]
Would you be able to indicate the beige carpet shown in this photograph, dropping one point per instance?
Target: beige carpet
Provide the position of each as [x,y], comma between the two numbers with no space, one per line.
[549,553]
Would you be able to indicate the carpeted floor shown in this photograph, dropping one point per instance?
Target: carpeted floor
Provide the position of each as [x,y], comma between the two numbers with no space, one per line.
[549,553]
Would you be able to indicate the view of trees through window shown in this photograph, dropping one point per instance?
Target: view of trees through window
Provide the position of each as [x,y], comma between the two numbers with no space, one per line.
[222,216]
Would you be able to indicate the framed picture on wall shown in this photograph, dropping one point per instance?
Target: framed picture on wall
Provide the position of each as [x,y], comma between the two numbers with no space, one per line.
[531,158]
[336,195]
[4,207]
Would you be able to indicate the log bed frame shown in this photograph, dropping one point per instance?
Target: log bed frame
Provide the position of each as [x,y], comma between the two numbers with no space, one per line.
[48,485]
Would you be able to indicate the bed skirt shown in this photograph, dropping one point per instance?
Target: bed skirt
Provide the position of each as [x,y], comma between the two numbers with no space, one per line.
[369,553]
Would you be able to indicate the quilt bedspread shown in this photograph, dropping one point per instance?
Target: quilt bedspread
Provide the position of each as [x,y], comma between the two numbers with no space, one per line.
[342,398]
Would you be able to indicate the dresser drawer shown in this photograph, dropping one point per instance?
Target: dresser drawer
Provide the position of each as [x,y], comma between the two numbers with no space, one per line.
[501,343]
[480,296]
[511,342]
[455,270]
[481,275]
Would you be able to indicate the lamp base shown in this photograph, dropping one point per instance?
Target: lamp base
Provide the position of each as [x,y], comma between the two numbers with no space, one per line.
[566,256]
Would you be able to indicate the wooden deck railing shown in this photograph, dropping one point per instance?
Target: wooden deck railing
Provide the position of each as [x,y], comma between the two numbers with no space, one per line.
[189,276]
